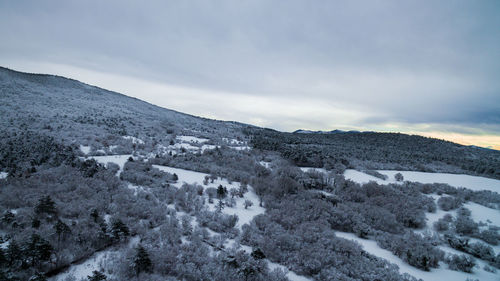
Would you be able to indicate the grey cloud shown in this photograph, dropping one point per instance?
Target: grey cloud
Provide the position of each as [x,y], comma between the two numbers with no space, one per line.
[401,61]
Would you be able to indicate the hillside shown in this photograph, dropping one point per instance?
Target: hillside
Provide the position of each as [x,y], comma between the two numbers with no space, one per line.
[72,111]
[95,185]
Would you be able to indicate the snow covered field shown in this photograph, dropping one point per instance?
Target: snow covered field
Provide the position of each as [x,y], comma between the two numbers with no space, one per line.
[436,274]
[308,169]
[119,160]
[3,175]
[484,214]
[467,181]
[478,213]
[191,139]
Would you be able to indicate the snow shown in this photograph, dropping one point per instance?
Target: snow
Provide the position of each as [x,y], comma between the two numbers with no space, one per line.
[107,218]
[96,262]
[209,147]
[457,180]
[233,141]
[85,149]
[361,178]
[134,139]
[312,169]
[436,274]
[191,139]
[434,217]
[240,147]
[82,270]
[135,188]
[290,274]
[120,160]
[482,213]
[185,176]
[245,216]
[3,175]
[265,164]
[471,182]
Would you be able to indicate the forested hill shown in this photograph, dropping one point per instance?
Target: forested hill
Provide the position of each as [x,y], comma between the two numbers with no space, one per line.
[371,150]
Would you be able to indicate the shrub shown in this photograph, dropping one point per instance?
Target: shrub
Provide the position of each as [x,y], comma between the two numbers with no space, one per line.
[461,263]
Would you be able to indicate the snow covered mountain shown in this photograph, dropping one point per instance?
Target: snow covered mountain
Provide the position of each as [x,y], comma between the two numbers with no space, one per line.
[95,185]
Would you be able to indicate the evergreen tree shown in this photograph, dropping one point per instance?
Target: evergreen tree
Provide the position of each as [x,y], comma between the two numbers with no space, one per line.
[8,217]
[95,215]
[221,192]
[38,250]
[3,258]
[398,177]
[14,254]
[46,206]
[35,223]
[97,276]
[119,230]
[61,229]
[142,262]
[258,254]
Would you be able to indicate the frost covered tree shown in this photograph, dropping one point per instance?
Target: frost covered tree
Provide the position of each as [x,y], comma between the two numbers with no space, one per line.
[398,177]
[220,205]
[461,263]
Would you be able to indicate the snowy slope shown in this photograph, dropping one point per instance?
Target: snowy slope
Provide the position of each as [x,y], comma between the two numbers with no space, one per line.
[467,181]
[436,274]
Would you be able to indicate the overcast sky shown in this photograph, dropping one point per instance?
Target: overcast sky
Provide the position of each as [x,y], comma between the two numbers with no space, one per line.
[427,67]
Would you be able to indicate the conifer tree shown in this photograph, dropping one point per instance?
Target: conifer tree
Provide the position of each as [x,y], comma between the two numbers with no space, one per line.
[97,276]
[142,262]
